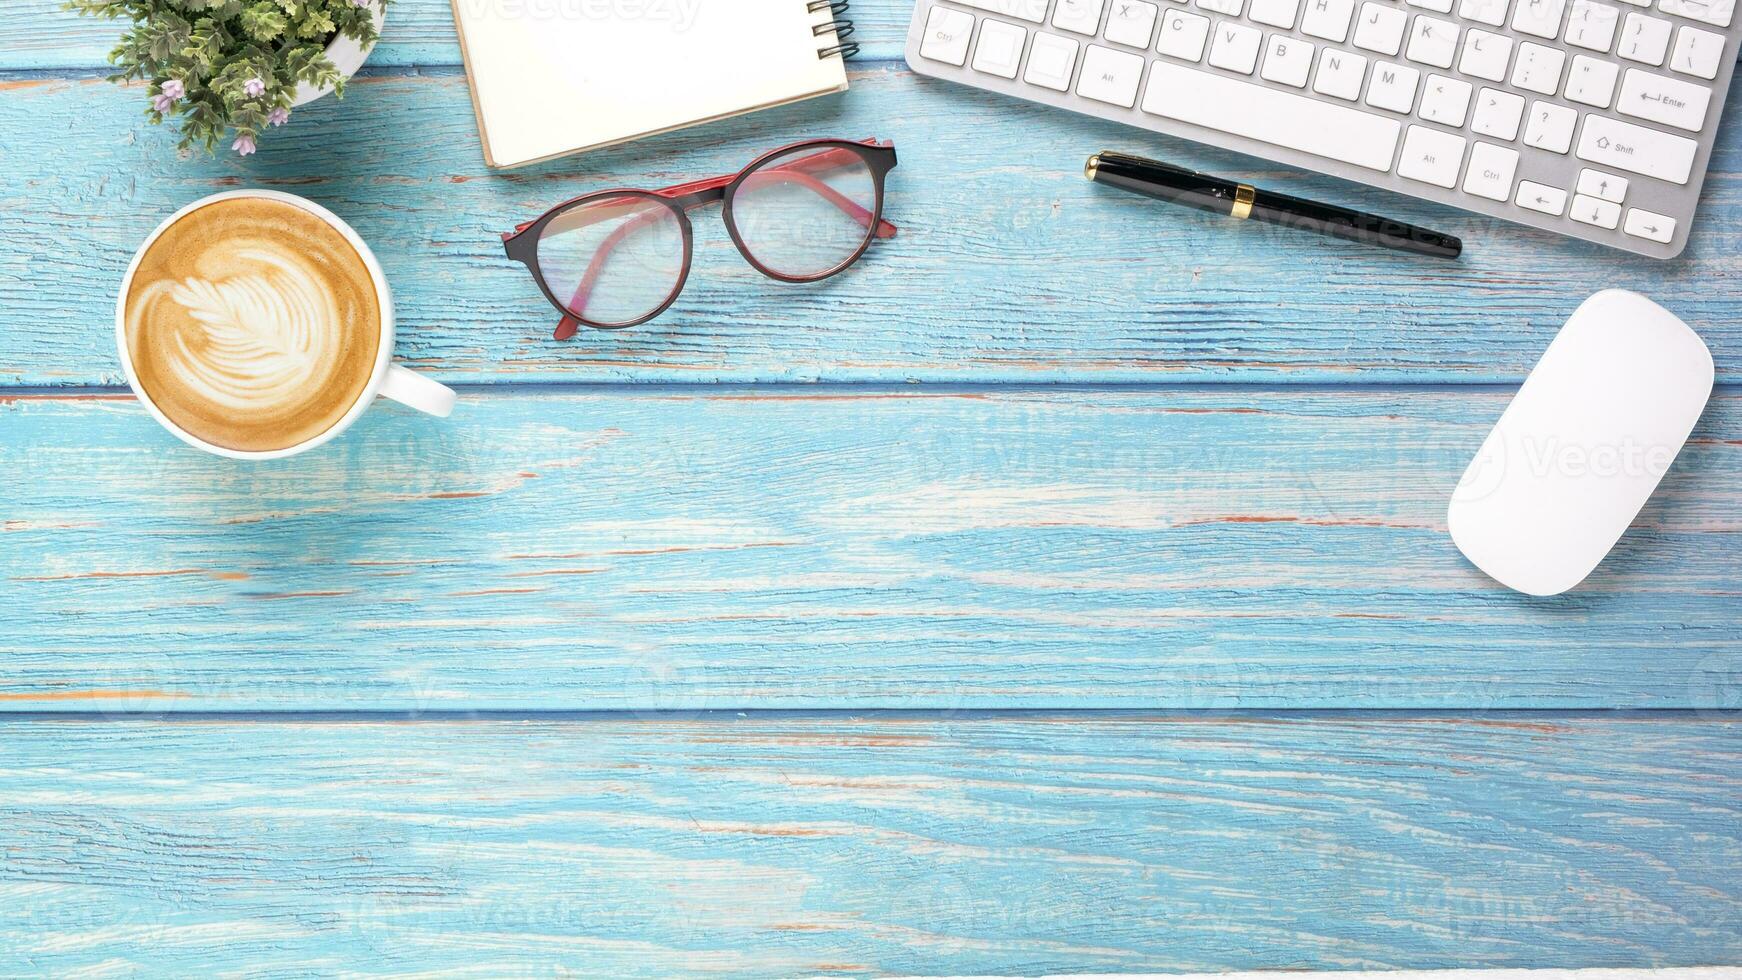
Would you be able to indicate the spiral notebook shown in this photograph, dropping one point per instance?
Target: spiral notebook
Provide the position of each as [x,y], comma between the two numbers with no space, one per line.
[554,78]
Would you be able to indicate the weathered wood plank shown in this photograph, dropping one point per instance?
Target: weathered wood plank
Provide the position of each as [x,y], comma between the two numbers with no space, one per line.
[836,547]
[37,34]
[798,847]
[1010,267]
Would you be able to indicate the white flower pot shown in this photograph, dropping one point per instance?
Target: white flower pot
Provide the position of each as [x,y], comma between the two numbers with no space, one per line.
[347,56]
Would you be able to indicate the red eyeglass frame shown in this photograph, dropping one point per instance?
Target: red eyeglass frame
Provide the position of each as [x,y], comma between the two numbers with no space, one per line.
[521,244]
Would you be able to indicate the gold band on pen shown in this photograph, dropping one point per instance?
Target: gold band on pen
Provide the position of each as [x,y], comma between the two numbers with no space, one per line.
[1244,194]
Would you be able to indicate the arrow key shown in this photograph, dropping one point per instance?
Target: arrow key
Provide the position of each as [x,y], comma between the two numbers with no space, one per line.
[1592,211]
[1644,224]
[1540,197]
[1606,187]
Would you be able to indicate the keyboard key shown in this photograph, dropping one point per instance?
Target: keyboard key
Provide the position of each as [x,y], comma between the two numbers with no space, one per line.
[1433,42]
[1110,76]
[1050,60]
[1613,143]
[1538,68]
[1697,52]
[1431,157]
[1539,18]
[1550,127]
[1645,224]
[947,33]
[1340,74]
[1714,12]
[1131,22]
[1662,99]
[1541,197]
[1288,60]
[1279,118]
[1229,7]
[1437,6]
[1380,28]
[1078,16]
[1392,87]
[1604,187]
[1498,114]
[999,51]
[1592,25]
[1236,47]
[1033,11]
[1183,35]
[1275,13]
[1486,55]
[1490,172]
[1328,19]
[1592,81]
[1445,101]
[1490,12]
[1593,211]
[1644,39]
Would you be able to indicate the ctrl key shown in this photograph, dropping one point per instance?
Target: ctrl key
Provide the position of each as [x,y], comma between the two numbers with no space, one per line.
[946,35]
[1646,224]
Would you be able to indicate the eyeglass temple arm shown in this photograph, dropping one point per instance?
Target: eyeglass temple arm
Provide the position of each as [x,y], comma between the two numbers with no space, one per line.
[570,324]
[884,228]
[795,168]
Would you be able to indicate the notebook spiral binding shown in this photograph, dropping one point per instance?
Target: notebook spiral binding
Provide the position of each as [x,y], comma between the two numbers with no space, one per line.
[837,24]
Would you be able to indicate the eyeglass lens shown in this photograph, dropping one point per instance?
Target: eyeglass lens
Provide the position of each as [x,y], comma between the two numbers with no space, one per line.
[805,213]
[613,260]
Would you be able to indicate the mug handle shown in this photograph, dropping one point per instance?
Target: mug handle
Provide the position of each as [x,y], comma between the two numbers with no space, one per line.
[407,387]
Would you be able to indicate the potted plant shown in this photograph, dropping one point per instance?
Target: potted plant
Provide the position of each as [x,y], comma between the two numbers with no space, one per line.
[232,68]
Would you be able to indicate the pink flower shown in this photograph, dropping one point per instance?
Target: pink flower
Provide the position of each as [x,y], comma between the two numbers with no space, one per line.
[254,88]
[168,94]
[278,116]
[244,145]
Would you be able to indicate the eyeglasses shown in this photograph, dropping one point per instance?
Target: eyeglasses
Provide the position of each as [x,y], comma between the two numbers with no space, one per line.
[618,258]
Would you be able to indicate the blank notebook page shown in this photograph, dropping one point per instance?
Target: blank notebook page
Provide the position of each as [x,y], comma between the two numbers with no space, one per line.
[551,78]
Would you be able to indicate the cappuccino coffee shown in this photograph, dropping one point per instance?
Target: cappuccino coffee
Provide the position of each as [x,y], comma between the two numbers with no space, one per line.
[252,324]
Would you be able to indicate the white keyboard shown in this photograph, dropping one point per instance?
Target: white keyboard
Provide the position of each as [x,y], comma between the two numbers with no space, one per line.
[1588,118]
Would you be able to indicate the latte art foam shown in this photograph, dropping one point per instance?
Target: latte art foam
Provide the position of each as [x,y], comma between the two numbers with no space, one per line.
[253,324]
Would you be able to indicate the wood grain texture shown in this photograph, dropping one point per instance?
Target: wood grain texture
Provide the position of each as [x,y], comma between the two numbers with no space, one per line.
[849,547]
[1009,268]
[818,846]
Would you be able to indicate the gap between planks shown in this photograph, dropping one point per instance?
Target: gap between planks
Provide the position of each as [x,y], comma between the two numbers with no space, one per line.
[802,389]
[1502,718]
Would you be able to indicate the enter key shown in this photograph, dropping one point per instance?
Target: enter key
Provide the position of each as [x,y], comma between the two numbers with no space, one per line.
[1664,100]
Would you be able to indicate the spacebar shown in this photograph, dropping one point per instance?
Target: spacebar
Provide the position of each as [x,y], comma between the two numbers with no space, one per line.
[1259,113]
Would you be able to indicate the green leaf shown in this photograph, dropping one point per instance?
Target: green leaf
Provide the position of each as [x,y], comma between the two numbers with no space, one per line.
[214,47]
[262,23]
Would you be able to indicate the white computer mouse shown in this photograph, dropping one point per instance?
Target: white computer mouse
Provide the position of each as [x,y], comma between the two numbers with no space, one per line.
[1583,444]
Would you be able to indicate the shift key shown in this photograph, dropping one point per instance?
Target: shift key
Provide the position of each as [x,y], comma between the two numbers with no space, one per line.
[1635,149]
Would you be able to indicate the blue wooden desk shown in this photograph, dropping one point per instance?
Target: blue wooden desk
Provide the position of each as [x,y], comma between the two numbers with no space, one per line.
[1064,588]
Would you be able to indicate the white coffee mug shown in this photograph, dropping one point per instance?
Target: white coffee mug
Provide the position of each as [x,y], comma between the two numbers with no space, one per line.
[388,379]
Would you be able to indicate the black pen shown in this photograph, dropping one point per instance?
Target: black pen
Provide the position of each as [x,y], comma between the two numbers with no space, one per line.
[1166,182]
